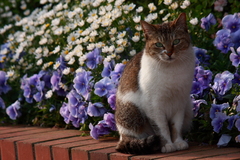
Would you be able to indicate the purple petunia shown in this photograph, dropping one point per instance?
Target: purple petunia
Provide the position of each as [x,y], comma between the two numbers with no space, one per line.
[65,113]
[75,111]
[231,121]
[208,21]
[110,121]
[2,104]
[13,110]
[4,87]
[222,83]
[217,108]
[237,123]
[223,40]
[103,127]
[236,79]
[196,88]
[117,73]
[82,83]
[203,76]
[96,109]
[93,58]
[112,101]
[218,121]
[108,67]
[231,22]
[197,104]
[103,87]
[201,55]
[235,57]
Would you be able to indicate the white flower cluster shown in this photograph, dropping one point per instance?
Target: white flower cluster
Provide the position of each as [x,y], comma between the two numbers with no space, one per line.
[74,28]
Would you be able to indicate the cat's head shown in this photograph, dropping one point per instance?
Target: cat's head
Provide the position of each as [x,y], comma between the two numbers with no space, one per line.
[168,41]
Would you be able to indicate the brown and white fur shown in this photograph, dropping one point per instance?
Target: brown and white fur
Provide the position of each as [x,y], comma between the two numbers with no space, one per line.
[153,105]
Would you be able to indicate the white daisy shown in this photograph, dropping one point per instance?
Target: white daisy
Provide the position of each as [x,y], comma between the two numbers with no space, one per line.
[72,38]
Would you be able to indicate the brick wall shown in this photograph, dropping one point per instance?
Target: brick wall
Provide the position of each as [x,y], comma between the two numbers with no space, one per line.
[34,143]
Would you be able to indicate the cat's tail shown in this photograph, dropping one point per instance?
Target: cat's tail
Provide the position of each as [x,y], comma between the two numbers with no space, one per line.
[132,145]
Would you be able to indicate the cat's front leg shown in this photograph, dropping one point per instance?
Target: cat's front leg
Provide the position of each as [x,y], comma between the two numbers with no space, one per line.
[176,131]
[164,132]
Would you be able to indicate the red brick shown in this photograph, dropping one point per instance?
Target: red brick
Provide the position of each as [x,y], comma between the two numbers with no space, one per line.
[8,150]
[161,155]
[24,132]
[83,150]
[15,129]
[26,146]
[101,154]
[43,150]
[224,157]
[62,151]
[8,144]
[120,156]
[202,153]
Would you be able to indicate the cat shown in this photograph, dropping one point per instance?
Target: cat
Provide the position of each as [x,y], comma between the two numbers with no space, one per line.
[153,104]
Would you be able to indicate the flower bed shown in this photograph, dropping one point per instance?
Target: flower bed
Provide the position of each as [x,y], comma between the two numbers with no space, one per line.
[61,62]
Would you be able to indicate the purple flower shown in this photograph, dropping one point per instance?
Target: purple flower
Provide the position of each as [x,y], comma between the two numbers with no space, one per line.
[96,109]
[4,87]
[204,77]
[93,58]
[75,101]
[108,67]
[13,110]
[117,73]
[32,88]
[222,83]
[103,127]
[110,121]
[112,101]
[39,95]
[82,83]
[103,87]
[237,124]
[235,57]
[218,121]
[235,38]
[75,111]
[236,103]
[208,21]
[231,121]
[62,62]
[46,78]
[223,40]
[65,113]
[55,80]
[231,22]
[2,104]
[99,130]
[196,88]
[217,108]
[197,104]
[236,79]
[201,55]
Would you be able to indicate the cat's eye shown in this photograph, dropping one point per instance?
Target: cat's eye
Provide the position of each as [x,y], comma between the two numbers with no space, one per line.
[176,41]
[158,44]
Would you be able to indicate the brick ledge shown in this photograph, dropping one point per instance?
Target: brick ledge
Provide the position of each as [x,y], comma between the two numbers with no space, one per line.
[35,143]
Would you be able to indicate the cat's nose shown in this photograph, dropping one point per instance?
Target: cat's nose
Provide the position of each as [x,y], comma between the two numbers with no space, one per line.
[169,54]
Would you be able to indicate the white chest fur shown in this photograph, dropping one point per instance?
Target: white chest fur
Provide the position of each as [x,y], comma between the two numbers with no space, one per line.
[165,84]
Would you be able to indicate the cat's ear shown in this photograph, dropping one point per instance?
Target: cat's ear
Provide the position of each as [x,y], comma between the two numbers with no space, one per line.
[147,28]
[181,21]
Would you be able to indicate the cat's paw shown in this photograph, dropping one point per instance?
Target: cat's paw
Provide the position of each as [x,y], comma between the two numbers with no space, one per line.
[169,147]
[181,145]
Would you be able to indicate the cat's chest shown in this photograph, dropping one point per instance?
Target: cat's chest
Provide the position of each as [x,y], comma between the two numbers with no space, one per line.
[157,78]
